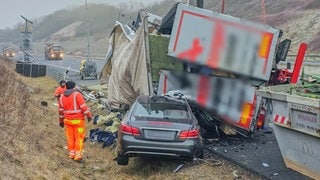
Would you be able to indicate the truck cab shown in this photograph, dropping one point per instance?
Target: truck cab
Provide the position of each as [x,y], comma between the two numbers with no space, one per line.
[53,52]
[8,52]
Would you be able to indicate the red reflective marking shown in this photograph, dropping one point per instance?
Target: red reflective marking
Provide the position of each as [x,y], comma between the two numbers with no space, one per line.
[276,118]
[298,64]
[193,53]
[165,84]
[216,46]
[282,119]
[178,32]
[203,90]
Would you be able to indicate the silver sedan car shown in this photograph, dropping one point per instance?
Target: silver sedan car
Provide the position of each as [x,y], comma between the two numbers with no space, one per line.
[159,126]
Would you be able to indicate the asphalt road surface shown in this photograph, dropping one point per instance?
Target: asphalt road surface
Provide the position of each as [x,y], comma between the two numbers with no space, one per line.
[58,68]
[259,154]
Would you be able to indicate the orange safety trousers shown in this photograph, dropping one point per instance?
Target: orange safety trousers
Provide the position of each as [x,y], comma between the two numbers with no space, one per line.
[75,132]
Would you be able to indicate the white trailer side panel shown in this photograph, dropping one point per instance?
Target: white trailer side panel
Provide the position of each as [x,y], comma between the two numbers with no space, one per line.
[223,42]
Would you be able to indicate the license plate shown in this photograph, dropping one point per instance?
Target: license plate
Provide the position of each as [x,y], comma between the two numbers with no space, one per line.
[305,121]
[160,134]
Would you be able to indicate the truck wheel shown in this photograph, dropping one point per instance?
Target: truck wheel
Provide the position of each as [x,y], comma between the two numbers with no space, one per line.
[122,160]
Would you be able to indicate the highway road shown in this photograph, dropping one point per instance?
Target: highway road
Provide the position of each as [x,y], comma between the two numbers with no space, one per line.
[58,68]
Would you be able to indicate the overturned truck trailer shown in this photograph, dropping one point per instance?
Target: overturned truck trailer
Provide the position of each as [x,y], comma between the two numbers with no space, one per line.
[230,56]
[217,62]
[189,39]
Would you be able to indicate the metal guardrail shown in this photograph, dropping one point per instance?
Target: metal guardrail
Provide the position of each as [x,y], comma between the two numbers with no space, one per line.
[309,57]
[52,72]
[62,73]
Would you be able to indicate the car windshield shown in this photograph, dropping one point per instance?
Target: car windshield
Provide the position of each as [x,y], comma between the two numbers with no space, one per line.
[56,48]
[161,110]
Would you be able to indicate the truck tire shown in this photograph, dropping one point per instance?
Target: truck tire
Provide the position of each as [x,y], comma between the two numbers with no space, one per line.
[122,159]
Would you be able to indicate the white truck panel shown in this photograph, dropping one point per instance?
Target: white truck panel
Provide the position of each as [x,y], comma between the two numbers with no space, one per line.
[223,42]
[226,96]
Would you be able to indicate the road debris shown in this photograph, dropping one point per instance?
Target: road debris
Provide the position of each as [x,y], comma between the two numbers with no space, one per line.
[234,173]
[178,168]
[265,164]
[44,103]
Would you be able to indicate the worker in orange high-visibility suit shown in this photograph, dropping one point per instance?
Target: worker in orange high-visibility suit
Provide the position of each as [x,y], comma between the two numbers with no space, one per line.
[72,112]
[60,89]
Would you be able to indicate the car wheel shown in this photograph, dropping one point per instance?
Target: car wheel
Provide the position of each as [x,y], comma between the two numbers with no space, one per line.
[82,77]
[122,160]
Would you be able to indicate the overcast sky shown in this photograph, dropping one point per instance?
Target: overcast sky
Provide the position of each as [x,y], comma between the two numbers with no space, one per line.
[10,10]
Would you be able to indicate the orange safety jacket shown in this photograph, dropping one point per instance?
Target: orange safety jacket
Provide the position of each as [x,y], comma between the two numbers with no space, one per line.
[59,90]
[72,106]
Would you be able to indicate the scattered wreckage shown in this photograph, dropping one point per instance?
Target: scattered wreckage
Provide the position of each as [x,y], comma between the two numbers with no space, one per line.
[163,56]
[152,54]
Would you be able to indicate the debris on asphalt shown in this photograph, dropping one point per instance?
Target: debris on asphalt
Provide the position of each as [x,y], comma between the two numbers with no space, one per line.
[265,164]
[234,173]
[178,168]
